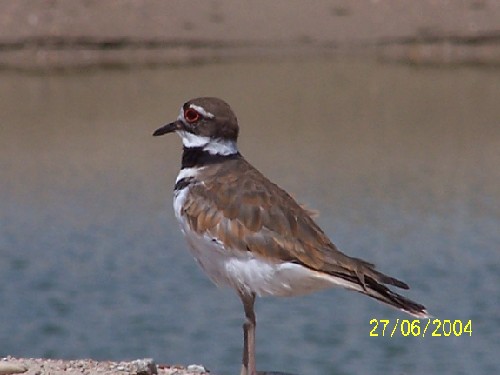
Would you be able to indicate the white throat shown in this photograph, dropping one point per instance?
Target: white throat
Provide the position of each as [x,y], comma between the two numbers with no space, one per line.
[213,146]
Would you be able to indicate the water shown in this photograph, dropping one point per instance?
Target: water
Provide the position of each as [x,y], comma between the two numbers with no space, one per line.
[402,162]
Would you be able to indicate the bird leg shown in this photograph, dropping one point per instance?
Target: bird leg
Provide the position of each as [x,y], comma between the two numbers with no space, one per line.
[248,362]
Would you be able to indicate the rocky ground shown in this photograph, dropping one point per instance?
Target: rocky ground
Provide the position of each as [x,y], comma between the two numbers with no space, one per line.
[147,366]
[37,366]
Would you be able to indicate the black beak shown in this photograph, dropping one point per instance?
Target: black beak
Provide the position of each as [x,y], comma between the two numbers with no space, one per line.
[169,128]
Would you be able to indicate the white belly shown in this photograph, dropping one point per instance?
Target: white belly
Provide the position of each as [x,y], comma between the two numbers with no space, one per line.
[245,272]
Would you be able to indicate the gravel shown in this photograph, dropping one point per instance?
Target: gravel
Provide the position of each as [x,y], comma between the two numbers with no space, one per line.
[39,366]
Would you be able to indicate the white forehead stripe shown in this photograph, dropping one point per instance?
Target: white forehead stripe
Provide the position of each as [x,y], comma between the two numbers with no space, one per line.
[201,111]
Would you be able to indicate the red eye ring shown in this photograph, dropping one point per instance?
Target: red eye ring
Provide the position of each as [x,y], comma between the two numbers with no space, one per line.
[191,115]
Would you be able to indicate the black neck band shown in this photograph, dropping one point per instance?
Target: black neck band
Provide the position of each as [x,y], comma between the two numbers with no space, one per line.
[198,157]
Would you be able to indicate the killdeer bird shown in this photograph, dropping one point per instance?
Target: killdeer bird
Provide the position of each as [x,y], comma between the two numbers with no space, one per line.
[248,233]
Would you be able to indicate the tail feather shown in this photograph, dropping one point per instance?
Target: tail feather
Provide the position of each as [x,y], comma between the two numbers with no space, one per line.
[391,280]
[383,294]
[380,292]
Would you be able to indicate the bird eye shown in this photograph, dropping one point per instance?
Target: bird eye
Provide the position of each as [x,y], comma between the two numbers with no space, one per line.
[191,115]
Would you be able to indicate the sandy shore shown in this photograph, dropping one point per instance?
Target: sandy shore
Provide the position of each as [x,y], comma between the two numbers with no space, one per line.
[64,34]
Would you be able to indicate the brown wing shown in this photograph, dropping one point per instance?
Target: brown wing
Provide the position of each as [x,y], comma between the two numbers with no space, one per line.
[248,212]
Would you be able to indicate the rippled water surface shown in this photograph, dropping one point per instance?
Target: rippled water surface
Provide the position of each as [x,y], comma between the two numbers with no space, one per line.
[403,164]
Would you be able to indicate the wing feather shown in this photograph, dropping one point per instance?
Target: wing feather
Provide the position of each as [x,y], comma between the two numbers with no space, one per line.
[259,216]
